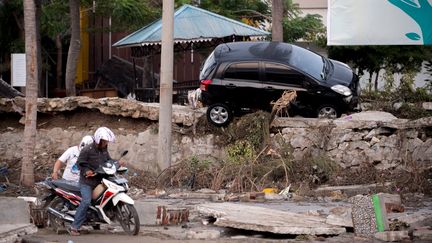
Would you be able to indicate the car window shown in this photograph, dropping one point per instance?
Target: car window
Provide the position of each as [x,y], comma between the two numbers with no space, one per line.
[279,73]
[208,66]
[243,70]
[307,61]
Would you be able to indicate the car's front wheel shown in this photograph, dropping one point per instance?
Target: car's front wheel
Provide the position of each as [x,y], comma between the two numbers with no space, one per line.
[219,114]
[328,111]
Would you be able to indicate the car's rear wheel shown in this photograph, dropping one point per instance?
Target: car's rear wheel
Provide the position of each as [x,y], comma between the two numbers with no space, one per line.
[328,111]
[219,114]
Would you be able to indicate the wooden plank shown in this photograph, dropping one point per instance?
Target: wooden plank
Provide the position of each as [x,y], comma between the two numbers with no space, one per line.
[241,216]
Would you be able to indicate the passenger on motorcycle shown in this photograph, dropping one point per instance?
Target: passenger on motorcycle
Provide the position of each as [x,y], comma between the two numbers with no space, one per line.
[90,158]
[69,157]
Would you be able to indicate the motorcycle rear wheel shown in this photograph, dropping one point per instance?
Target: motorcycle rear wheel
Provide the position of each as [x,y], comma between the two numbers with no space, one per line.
[57,224]
[128,218]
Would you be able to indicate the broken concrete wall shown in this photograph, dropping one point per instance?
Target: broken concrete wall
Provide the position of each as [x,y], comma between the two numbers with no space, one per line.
[377,138]
[383,142]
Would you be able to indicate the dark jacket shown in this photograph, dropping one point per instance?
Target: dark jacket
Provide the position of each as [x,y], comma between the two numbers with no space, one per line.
[91,158]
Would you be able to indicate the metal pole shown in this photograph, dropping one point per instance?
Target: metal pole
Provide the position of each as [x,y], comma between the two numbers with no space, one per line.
[166,85]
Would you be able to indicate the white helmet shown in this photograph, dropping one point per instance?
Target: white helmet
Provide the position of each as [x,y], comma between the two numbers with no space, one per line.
[86,140]
[105,134]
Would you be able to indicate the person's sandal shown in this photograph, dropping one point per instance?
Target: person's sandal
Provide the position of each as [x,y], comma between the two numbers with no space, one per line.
[73,232]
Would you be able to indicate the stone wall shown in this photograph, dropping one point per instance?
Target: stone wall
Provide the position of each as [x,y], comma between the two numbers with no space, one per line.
[368,137]
[142,146]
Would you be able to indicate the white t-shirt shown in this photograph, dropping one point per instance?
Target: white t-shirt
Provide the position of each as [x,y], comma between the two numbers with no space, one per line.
[69,157]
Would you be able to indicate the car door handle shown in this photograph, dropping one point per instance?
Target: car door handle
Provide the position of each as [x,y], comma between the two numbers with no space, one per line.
[269,87]
[231,85]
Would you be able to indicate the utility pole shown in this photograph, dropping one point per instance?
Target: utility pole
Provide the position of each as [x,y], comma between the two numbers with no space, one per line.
[277,16]
[166,85]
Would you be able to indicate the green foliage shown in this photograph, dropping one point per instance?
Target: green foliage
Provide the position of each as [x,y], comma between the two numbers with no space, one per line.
[411,100]
[308,28]
[323,167]
[412,111]
[406,60]
[296,27]
[238,9]
[126,15]
[428,67]
[55,18]
[197,164]
[407,83]
[253,127]
[240,152]
[420,95]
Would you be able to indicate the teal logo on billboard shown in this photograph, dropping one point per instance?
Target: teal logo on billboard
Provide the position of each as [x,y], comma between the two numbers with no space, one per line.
[421,13]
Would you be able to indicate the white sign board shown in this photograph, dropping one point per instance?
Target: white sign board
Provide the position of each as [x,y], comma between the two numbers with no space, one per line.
[18,69]
[379,22]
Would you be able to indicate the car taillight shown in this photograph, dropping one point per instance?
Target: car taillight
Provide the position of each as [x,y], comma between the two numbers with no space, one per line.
[204,84]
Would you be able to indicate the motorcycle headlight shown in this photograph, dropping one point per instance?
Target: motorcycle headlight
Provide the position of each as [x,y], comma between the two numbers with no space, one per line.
[109,170]
[341,89]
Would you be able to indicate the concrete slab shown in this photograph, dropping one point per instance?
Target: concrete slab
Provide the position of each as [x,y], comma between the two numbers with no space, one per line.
[14,211]
[352,190]
[423,234]
[391,236]
[241,216]
[415,218]
[10,233]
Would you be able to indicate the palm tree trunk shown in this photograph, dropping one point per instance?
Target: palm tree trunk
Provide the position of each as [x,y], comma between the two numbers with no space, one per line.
[59,63]
[277,16]
[370,81]
[74,47]
[32,69]
[41,82]
[376,80]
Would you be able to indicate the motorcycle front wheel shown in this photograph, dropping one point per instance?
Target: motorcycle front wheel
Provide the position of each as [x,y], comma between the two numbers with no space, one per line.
[128,218]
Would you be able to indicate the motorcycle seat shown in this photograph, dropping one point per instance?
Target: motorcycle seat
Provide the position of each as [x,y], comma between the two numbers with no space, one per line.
[71,186]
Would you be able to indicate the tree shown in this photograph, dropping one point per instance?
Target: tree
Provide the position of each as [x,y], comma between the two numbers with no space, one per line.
[32,69]
[256,10]
[295,26]
[55,24]
[395,59]
[74,47]
[365,58]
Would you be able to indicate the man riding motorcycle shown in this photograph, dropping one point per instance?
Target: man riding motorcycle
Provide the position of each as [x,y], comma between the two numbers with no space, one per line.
[90,158]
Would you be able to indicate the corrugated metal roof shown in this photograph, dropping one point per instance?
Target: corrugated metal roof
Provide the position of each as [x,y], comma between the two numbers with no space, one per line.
[191,24]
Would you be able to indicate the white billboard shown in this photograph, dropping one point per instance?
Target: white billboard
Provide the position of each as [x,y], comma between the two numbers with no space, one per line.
[379,22]
[18,69]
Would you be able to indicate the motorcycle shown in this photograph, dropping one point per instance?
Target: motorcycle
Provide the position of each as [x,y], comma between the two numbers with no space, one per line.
[109,201]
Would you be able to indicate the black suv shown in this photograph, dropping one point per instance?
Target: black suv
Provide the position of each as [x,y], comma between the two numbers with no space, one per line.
[242,76]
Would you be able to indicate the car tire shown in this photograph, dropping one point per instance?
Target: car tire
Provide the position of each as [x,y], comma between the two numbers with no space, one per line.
[328,111]
[219,114]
